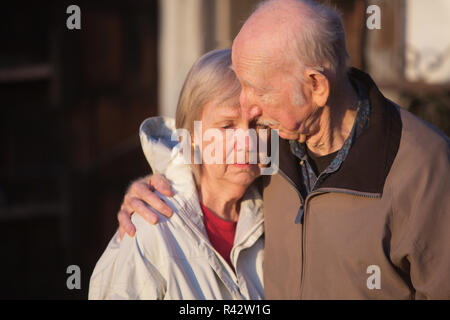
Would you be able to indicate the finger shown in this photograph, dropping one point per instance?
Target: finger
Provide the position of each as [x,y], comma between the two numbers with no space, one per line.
[126,206]
[121,232]
[144,211]
[125,223]
[137,185]
[143,193]
[161,184]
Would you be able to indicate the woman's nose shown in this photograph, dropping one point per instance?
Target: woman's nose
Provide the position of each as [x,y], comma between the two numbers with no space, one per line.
[249,140]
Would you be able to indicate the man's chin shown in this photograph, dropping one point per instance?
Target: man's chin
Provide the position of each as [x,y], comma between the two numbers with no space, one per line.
[289,135]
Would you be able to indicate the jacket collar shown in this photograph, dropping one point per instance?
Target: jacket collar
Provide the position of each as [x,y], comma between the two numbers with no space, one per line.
[370,158]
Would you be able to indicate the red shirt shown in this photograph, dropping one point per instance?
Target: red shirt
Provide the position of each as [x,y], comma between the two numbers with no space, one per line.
[220,233]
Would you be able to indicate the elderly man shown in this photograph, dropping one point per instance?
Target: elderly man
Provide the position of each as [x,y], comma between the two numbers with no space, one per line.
[360,207]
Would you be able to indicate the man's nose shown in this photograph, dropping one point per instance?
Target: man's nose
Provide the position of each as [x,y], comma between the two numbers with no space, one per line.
[249,109]
[254,112]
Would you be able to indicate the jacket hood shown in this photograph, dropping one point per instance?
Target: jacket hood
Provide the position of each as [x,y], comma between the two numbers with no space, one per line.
[164,153]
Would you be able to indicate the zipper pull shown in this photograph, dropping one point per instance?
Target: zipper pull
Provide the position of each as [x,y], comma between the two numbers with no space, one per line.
[299,217]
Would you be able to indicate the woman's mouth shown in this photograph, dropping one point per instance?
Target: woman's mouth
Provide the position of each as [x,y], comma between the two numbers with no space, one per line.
[241,165]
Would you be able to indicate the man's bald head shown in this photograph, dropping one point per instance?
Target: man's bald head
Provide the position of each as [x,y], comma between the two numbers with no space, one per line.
[292,31]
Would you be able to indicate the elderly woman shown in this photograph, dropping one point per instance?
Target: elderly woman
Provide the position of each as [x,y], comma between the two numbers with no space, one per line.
[212,248]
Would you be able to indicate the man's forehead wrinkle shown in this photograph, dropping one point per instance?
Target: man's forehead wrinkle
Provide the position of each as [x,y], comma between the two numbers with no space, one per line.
[262,47]
[255,67]
[248,60]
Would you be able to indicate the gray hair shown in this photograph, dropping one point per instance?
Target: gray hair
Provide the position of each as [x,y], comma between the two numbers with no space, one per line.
[322,42]
[211,78]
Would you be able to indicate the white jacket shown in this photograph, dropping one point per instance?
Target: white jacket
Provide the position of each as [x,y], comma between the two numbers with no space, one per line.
[174,259]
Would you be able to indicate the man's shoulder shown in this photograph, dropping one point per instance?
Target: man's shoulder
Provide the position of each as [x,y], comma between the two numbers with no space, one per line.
[421,138]
[424,152]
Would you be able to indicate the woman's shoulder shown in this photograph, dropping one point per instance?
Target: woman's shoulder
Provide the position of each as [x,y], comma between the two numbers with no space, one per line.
[167,233]
[152,232]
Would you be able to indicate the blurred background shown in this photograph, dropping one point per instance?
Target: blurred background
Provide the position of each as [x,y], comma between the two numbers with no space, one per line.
[72,102]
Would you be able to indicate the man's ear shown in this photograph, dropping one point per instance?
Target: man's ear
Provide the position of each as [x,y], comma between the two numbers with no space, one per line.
[319,85]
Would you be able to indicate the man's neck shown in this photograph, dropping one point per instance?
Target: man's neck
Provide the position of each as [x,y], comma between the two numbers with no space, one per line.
[335,122]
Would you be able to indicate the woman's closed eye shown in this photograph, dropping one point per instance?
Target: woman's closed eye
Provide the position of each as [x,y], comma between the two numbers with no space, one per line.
[227,125]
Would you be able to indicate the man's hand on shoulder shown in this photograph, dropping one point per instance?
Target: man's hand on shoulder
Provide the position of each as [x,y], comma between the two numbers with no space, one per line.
[140,193]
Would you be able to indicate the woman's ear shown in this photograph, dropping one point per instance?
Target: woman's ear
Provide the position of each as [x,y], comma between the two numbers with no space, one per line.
[320,86]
